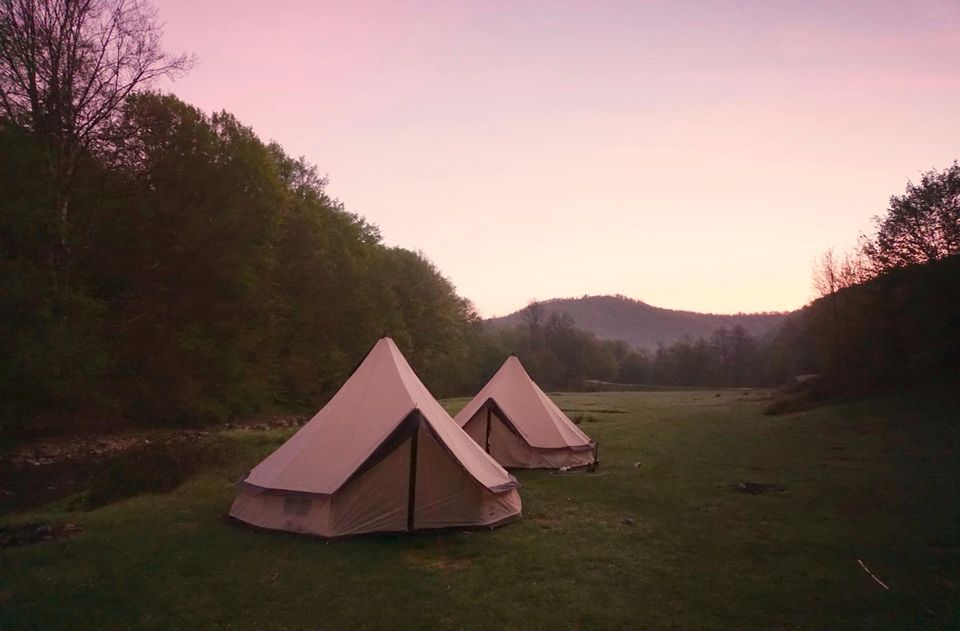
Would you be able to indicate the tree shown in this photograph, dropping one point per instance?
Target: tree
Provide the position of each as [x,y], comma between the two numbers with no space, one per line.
[66,68]
[634,368]
[744,358]
[826,275]
[921,225]
[828,280]
[831,274]
[533,314]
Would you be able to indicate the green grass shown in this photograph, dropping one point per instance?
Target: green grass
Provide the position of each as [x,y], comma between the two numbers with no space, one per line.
[874,480]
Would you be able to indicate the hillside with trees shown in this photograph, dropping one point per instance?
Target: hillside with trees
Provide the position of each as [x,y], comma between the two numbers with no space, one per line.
[889,311]
[159,263]
[204,274]
[562,356]
[640,325]
[903,326]
[887,315]
[164,264]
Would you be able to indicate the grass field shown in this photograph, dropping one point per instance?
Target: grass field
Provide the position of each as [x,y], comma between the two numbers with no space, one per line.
[657,538]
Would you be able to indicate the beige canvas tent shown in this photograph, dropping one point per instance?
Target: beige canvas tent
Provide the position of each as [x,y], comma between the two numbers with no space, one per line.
[517,423]
[381,456]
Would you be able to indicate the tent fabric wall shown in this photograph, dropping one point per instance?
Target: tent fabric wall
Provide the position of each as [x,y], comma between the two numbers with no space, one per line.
[380,420]
[376,501]
[307,514]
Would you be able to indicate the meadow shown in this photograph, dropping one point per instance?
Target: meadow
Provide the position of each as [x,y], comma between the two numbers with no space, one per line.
[662,536]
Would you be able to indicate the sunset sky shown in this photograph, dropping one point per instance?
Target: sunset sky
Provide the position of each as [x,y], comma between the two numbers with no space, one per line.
[694,155]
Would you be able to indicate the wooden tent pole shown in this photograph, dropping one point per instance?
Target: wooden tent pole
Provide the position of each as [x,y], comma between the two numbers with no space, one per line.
[412,490]
[488,430]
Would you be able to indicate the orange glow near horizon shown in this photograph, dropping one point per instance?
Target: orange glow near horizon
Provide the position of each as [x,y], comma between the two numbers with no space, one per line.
[691,155]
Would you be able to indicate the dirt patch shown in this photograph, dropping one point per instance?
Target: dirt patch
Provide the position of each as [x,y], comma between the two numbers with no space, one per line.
[27,534]
[545,522]
[60,449]
[55,448]
[757,488]
[431,561]
[264,424]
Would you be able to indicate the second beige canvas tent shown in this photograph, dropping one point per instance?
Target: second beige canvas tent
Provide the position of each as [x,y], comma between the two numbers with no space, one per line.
[517,423]
[382,455]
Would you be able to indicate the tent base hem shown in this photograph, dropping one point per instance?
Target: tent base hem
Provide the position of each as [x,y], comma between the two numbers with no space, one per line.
[240,523]
[589,467]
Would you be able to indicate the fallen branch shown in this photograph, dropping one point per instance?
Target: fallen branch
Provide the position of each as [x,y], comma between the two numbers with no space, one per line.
[873,576]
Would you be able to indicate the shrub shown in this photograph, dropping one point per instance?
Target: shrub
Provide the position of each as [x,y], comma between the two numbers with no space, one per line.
[156,468]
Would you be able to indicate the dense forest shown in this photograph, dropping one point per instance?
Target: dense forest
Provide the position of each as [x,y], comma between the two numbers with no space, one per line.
[158,263]
[563,356]
[209,275]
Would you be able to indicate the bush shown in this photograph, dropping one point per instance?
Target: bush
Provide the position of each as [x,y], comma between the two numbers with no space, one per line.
[798,397]
[581,418]
[156,468]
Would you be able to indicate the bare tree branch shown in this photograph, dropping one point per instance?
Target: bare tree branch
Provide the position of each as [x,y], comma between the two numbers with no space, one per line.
[66,68]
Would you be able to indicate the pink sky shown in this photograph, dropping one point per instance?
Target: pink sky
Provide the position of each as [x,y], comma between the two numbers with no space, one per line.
[690,155]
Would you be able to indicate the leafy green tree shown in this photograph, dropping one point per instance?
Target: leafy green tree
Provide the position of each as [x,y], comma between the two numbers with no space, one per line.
[54,348]
[187,264]
[921,225]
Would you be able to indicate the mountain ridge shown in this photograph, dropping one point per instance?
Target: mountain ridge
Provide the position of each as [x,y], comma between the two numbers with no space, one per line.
[640,324]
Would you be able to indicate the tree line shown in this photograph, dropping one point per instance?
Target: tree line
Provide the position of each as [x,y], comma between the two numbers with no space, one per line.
[210,275]
[888,313]
[160,263]
[562,356]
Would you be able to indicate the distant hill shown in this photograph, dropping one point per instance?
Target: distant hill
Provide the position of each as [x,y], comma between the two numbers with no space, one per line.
[642,325]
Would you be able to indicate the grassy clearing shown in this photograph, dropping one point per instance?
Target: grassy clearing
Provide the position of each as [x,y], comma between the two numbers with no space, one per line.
[657,538]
